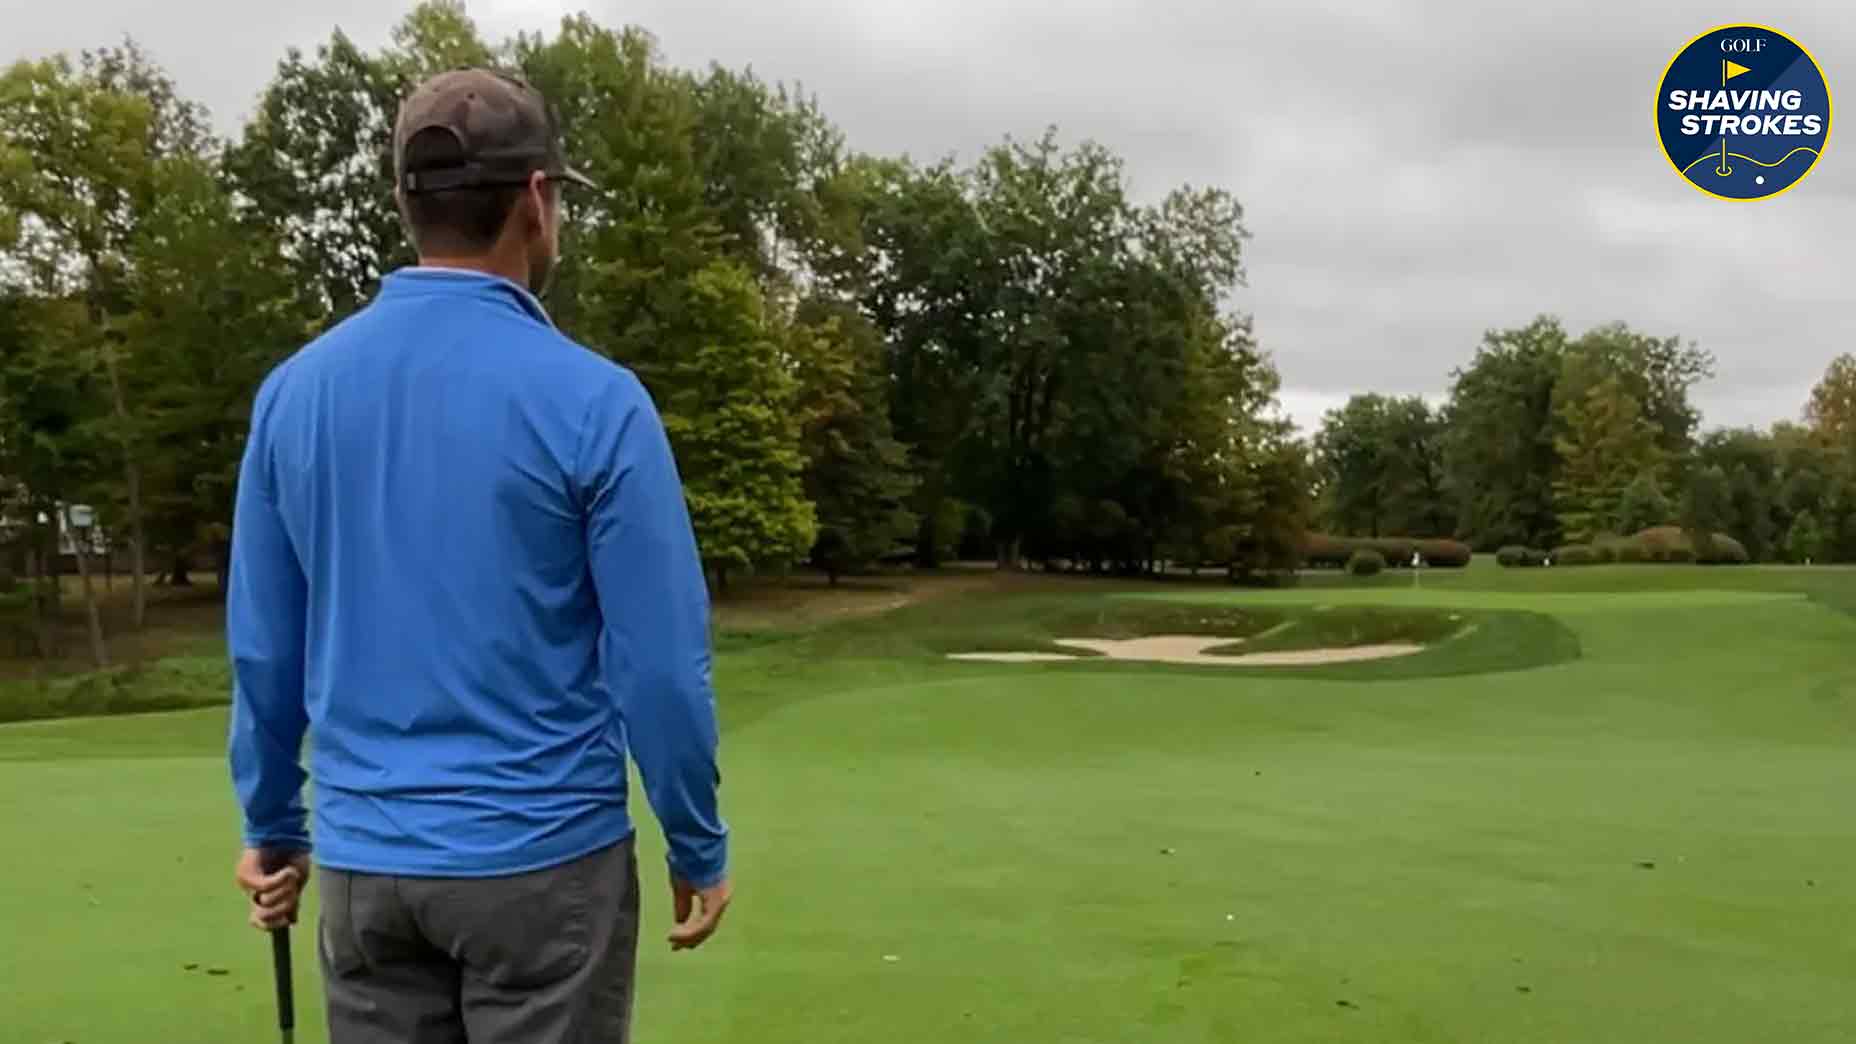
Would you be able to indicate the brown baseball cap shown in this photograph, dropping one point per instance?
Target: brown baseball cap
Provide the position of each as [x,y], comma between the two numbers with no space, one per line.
[504,129]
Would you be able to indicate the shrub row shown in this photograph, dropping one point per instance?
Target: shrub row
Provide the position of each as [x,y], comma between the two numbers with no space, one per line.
[1673,544]
[1321,550]
[1664,544]
[1517,557]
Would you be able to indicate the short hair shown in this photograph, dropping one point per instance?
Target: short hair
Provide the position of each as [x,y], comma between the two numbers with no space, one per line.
[453,221]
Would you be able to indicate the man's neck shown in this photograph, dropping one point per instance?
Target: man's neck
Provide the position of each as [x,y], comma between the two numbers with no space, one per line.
[515,272]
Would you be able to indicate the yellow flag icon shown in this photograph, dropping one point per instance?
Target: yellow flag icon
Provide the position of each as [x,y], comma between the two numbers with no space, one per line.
[1734,69]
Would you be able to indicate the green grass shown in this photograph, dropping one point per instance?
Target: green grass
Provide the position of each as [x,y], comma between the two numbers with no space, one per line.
[1446,848]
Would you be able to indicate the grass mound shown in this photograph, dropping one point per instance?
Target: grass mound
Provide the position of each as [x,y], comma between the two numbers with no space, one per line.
[1344,627]
[173,684]
[1037,624]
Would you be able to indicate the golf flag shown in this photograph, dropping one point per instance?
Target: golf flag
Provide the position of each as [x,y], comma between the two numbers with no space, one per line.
[1732,69]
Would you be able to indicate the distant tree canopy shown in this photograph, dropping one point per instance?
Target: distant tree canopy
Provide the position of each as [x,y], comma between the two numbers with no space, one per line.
[859,358]
[1548,439]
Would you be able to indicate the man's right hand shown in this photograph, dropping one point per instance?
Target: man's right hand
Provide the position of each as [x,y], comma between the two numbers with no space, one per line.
[275,894]
[699,911]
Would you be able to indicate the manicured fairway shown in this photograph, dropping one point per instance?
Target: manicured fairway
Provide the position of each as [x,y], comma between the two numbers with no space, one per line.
[1616,807]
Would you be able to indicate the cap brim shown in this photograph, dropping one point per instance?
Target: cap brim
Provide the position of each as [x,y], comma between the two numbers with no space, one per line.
[573,176]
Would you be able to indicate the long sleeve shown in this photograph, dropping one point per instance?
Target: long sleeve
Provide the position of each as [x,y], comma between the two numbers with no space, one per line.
[655,608]
[265,614]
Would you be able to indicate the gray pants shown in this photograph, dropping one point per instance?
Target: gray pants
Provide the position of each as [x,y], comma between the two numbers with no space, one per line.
[539,958]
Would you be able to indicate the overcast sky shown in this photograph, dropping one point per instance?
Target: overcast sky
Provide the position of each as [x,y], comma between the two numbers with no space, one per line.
[1413,173]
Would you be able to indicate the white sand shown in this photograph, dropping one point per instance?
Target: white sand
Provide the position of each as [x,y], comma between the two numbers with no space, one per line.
[1192,650]
[1013,657]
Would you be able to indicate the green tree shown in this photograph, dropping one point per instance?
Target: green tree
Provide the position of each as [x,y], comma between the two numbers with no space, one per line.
[1500,450]
[1051,220]
[1831,411]
[316,165]
[728,405]
[1752,461]
[1838,517]
[1381,468]
[908,247]
[1707,508]
[201,269]
[1277,486]
[1658,372]
[80,151]
[764,153]
[48,448]
[1644,505]
[1603,441]
[857,474]
[632,250]
[1805,541]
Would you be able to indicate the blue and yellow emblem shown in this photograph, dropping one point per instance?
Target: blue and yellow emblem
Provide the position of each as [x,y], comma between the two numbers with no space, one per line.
[1743,112]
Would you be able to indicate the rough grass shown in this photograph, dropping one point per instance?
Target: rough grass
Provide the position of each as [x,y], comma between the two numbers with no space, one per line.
[176,683]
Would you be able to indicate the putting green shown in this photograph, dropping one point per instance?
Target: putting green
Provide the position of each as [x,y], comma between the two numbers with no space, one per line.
[1645,837]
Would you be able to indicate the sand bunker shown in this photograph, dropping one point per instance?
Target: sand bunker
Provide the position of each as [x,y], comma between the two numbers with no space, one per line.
[1191,650]
[1014,657]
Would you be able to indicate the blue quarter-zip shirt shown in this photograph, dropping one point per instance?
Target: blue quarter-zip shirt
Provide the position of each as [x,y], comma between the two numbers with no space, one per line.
[462,566]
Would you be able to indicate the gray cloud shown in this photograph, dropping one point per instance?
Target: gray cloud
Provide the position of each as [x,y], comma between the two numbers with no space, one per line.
[1413,173]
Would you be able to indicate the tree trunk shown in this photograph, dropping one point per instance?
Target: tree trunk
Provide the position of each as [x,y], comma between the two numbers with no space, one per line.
[1009,554]
[132,474]
[222,565]
[45,592]
[97,650]
[177,575]
[41,627]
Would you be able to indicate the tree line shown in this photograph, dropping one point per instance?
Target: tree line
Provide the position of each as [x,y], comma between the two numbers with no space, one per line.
[1546,439]
[858,358]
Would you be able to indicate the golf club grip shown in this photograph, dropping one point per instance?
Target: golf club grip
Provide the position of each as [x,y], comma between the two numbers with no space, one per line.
[286,986]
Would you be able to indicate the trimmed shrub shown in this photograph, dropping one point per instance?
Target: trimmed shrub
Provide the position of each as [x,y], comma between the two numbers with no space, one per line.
[1366,562]
[1672,545]
[1515,556]
[1397,551]
[1727,551]
[1577,555]
[1445,554]
[1321,550]
[1659,542]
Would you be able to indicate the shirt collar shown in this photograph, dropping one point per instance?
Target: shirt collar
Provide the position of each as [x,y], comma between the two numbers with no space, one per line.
[431,278]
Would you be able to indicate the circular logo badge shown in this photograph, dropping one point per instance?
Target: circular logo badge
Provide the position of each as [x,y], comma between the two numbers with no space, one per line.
[1743,112]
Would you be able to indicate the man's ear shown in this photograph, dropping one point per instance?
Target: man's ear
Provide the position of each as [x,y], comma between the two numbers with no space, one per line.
[538,199]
